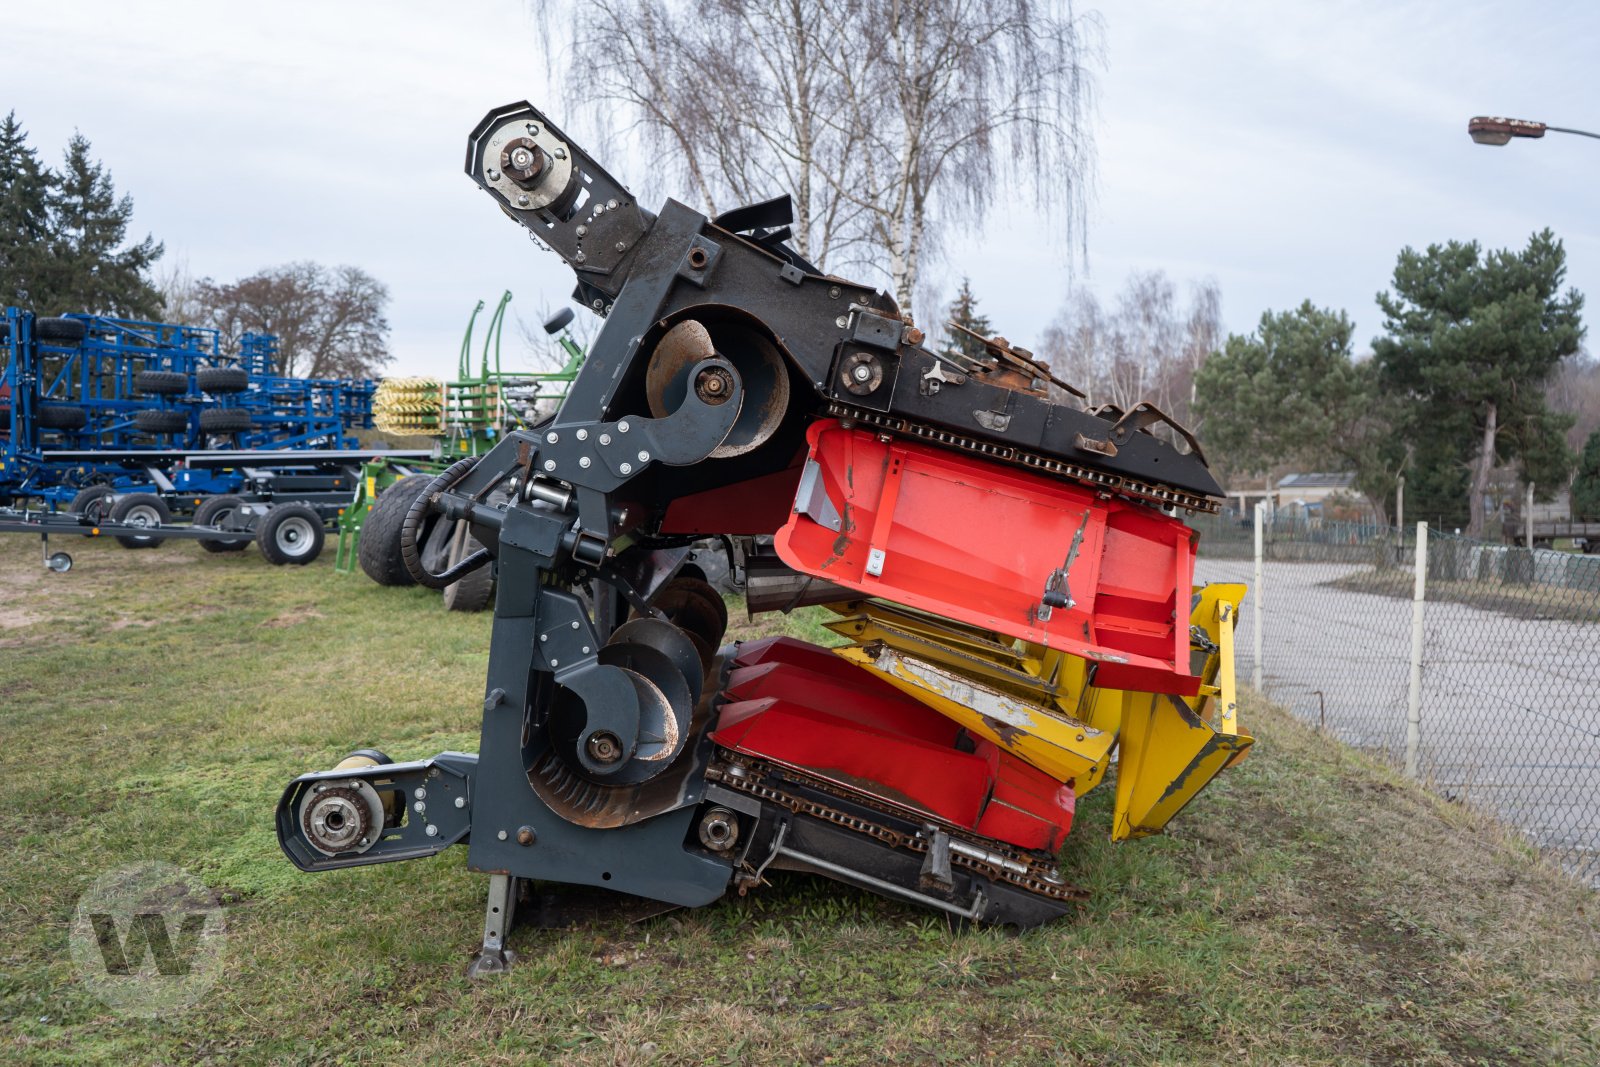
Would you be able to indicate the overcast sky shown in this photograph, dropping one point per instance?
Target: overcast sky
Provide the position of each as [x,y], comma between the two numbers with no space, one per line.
[1286,150]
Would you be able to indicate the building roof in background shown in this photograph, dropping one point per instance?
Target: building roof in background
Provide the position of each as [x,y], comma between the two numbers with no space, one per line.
[1328,480]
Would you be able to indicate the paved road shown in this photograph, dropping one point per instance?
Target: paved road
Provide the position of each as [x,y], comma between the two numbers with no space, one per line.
[1510,706]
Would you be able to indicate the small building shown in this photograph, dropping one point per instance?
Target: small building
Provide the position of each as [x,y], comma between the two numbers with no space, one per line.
[1313,489]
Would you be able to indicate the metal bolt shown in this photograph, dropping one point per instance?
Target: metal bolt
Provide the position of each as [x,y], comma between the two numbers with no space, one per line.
[521,158]
[421,793]
[583,435]
[574,624]
[644,457]
[552,437]
[523,200]
[599,209]
[583,231]
[622,246]
[494,175]
[862,373]
[585,650]
[841,322]
[612,204]
[605,439]
[555,663]
[502,835]
[433,829]
[597,303]
[561,153]
[533,130]
[622,427]
[833,291]
[549,464]
[526,836]
[579,257]
[419,806]
[461,802]
[626,468]
[583,461]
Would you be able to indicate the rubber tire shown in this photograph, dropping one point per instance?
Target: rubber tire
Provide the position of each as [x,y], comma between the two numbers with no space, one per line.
[61,417]
[90,503]
[58,329]
[136,501]
[209,513]
[161,421]
[161,382]
[303,519]
[224,420]
[379,549]
[222,379]
[474,591]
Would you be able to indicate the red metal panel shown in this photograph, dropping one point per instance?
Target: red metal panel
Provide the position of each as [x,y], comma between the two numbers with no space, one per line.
[979,542]
[757,506]
[867,736]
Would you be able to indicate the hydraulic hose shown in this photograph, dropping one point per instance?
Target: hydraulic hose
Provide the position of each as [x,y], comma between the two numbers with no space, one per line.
[411,529]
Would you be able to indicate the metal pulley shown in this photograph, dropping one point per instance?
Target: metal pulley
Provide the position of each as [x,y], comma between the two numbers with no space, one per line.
[670,375]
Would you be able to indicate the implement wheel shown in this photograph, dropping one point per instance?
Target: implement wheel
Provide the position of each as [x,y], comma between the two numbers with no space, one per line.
[291,533]
[474,591]
[92,504]
[140,509]
[161,382]
[62,417]
[379,550]
[216,512]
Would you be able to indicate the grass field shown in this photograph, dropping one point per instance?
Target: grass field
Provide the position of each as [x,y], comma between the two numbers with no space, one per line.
[1308,908]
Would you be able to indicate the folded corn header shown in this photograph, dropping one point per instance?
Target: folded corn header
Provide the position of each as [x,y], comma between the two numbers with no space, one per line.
[1010,575]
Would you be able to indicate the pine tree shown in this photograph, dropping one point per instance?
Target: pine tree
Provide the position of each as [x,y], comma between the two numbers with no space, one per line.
[1586,486]
[1471,340]
[93,272]
[964,312]
[24,215]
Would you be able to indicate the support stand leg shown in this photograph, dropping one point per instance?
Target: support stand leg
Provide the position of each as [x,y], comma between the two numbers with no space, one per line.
[494,957]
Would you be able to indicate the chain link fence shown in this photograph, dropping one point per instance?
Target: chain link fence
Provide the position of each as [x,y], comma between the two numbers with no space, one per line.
[1495,703]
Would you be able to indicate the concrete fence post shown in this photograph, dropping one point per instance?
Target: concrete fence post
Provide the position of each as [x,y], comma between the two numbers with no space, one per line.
[1255,595]
[1414,701]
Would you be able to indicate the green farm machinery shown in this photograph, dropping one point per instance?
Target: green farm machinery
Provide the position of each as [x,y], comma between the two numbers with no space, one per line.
[466,416]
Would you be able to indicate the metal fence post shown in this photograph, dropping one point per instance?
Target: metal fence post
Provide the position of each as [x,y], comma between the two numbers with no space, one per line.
[1414,703]
[1256,595]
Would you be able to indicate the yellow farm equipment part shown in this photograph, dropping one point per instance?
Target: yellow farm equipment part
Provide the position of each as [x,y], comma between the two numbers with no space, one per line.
[1043,706]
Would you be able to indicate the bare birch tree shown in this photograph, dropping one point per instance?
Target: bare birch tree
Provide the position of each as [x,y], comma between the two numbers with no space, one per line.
[890,122]
[1146,347]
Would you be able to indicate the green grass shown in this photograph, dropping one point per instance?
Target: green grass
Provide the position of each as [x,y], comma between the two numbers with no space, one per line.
[1308,908]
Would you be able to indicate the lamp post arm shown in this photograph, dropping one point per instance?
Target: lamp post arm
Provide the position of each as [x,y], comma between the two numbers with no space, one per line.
[1580,133]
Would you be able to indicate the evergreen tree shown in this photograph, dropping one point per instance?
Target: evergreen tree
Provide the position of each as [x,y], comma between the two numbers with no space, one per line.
[24,215]
[1472,339]
[93,271]
[964,312]
[1586,486]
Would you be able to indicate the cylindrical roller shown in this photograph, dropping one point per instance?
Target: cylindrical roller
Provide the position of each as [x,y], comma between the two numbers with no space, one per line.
[761,371]
[668,639]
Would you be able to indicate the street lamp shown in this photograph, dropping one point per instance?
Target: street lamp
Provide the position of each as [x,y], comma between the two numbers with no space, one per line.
[1486,129]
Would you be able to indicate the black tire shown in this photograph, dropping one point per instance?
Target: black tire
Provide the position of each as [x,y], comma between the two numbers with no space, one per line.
[216,511]
[91,503]
[290,534]
[379,550]
[62,417]
[161,421]
[224,420]
[56,329]
[474,591]
[161,382]
[140,508]
[222,379]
